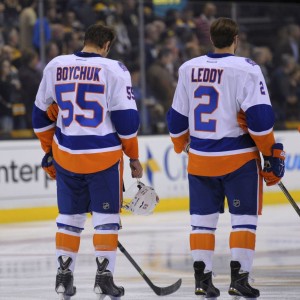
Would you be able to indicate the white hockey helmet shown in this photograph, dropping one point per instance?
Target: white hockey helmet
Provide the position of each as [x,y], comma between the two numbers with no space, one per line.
[144,201]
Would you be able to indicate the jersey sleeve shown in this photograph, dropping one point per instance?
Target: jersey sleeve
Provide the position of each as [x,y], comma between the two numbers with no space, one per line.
[124,114]
[177,116]
[258,110]
[43,127]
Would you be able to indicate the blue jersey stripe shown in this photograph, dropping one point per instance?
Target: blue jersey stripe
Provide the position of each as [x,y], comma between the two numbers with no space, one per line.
[260,117]
[87,142]
[126,122]
[176,121]
[203,228]
[246,226]
[40,118]
[224,144]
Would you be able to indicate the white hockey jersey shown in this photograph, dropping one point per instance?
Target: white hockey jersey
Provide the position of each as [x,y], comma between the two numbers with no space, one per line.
[211,90]
[97,116]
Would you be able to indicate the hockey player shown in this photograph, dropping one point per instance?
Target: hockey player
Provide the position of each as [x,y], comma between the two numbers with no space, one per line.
[97,120]
[224,158]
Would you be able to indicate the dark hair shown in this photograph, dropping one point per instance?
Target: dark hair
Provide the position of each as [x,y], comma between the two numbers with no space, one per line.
[164,52]
[223,31]
[98,35]
[27,56]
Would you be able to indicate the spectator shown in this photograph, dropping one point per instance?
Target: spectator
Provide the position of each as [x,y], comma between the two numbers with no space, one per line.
[152,37]
[281,91]
[36,32]
[30,78]
[85,12]
[161,83]
[9,94]
[203,23]
[122,45]
[27,20]
[13,43]
[11,13]
[289,43]
[263,57]
[131,21]
[245,48]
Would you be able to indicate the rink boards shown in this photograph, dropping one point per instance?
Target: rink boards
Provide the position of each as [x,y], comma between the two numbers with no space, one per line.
[27,194]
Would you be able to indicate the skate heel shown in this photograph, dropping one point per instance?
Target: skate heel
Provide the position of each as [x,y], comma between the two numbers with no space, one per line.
[104,282]
[64,279]
[239,286]
[203,282]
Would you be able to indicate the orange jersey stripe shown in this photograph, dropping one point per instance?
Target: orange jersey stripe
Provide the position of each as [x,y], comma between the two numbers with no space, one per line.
[218,165]
[264,143]
[85,163]
[67,242]
[180,142]
[46,138]
[242,239]
[105,242]
[131,147]
[202,241]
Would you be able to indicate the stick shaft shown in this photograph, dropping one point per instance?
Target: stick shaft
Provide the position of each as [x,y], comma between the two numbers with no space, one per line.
[289,197]
[129,257]
[160,291]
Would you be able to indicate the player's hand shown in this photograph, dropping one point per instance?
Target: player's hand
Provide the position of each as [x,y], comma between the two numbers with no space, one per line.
[52,112]
[47,165]
[274,166]
[241,119]
[136,168]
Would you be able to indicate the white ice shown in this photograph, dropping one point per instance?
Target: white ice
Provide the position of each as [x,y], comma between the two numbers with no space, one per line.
[160,245]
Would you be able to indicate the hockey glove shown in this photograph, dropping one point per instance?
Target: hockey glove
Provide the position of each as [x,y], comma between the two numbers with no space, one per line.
[52,112]
[274,165]
[47,165]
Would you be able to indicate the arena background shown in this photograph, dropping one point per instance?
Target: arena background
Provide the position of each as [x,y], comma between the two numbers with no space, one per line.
[26,194]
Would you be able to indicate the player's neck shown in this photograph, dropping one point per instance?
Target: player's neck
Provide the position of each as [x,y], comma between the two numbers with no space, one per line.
[92,49]
[224,50]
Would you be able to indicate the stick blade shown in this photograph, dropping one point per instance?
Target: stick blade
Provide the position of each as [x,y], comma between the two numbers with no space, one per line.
[163,291]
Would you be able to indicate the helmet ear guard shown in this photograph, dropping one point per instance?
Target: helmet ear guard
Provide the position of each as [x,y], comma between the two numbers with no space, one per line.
[144,200]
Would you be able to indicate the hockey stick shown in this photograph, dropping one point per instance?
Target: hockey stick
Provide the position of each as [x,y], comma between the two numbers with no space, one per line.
[289,197]
[160,291]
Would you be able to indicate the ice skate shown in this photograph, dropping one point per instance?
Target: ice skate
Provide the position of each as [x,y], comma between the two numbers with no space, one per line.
[64,279]
[104,282]
[203,282]
[239,286]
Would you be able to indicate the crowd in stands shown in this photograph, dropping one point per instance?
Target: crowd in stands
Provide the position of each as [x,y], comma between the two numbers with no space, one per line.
[173,34]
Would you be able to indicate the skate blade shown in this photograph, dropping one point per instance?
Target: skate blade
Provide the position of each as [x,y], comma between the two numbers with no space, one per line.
[241,297]
[103,296]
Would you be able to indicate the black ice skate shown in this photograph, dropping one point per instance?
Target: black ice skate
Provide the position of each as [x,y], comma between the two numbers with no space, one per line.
[203,282]
[239,286]
[64,279]
[104,282]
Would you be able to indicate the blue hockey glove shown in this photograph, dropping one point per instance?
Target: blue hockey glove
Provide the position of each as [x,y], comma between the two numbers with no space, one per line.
[274,166]
[47,165]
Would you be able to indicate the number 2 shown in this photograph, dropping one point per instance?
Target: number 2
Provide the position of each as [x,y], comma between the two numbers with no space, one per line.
[262,88]
[82,92]
[209,108]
